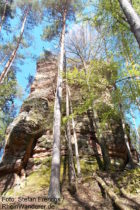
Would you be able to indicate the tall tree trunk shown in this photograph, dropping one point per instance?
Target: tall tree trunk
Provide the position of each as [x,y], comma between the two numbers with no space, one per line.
[54,188]
[75,140]
[132,18]
[13,55]
[70,155]
[127,144]
[102,142]
[97,125]
[3,15]
[125,134]
[97,156]
[137,133]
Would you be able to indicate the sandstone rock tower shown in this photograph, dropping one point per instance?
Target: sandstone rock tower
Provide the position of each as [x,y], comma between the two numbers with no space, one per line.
[25,163]
[27,135]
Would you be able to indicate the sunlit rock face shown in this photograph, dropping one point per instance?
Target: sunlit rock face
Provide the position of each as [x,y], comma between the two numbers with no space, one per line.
[29,137]
[45,80]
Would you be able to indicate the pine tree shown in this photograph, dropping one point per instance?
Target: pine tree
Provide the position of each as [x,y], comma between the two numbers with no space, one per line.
[60,12]
[5,11]
[3,15]
[8,92]
[13,55]
[28,20]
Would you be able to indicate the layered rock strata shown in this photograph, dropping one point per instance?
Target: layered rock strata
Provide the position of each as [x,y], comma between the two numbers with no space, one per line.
[29,137]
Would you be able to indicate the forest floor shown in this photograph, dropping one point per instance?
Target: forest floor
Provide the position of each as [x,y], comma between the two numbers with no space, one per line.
[124,187]
[91,196]
[88,196]
[96,190]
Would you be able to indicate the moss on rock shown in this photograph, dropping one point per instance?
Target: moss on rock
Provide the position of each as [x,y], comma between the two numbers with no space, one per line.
[39,179]
[129,180]
[88,166]
[36,104]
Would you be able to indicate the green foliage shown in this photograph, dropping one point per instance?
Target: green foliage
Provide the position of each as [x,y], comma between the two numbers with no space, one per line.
[111,13]
[129,180]
[109,20]
[8,92]
[136,5]
[54,10]
[92,84]
[8,12]
[88,166]
[35,4]
[51,30]
[111,25]
[129,84]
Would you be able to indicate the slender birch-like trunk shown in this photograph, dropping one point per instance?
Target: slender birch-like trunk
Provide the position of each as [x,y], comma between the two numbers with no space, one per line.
[3,15]
[137,133]
[75,139]
[130,159]
[97,156]
[127,144]
[13,55]
[54,188]
[101,140]
[72,175]
[132,18]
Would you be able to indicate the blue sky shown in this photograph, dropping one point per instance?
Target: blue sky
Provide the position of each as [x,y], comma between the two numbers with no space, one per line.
[28,67]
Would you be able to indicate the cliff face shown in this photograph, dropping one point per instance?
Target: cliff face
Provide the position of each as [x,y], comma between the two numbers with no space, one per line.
[26,160]
[45,80]
[29,135]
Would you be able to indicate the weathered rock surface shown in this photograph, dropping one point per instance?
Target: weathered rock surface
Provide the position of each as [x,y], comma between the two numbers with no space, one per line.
[45,81]
[29,137]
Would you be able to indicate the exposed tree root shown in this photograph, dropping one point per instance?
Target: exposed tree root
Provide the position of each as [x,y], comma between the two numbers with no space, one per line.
[117,201]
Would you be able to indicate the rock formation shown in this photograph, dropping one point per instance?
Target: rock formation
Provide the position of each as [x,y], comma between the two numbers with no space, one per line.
[29,137]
